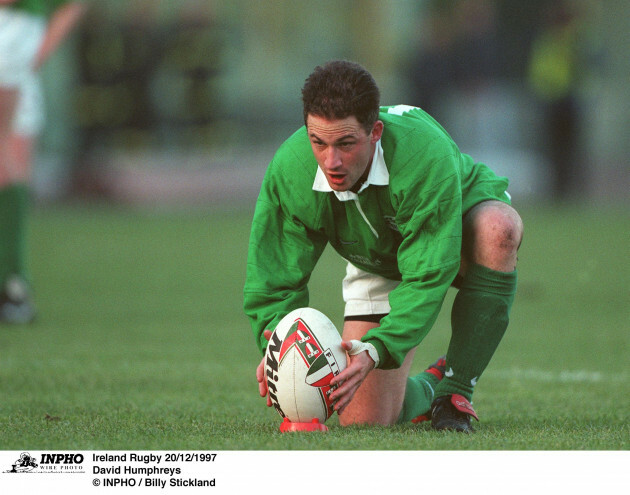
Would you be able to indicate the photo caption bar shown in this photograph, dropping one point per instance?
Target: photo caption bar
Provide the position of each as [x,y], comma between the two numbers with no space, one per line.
[106,470]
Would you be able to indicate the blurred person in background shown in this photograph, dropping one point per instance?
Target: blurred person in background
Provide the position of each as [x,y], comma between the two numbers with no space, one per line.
[30,31]
[459,53]
[554,70]
[431,69]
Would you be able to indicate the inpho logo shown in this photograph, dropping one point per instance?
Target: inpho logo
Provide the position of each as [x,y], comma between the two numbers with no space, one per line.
[24,464]
[62,459]
[60,462]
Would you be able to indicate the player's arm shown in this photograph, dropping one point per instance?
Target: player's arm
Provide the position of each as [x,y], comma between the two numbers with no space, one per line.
[281,257]
[278,270]
[429,218]
[62,22]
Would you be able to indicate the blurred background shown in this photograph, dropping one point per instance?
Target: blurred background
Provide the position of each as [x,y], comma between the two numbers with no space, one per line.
[182,102]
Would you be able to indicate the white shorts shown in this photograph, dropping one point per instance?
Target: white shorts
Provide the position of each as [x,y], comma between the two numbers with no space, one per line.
[21,35]
[365,293]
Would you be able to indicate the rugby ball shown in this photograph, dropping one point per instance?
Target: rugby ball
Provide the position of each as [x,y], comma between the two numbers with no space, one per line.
[303,355]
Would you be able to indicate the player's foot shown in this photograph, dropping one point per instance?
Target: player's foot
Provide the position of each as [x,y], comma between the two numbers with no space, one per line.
[437,369]
[452,412]
[16,306]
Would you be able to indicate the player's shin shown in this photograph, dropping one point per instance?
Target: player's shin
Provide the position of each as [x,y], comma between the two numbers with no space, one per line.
[479,319]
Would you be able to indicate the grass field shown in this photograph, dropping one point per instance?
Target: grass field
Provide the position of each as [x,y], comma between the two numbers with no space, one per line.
[141,342]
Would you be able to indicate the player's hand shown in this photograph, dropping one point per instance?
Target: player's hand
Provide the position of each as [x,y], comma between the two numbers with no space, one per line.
[260,374]
[350,379]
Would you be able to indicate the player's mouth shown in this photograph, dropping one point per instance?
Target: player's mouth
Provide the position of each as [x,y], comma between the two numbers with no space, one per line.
[337,179]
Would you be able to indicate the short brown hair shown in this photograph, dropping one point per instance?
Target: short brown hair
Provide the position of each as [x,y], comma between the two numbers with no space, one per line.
[341,89]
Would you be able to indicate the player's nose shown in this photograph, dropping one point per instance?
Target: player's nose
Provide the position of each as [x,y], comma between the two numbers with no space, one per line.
[332,160]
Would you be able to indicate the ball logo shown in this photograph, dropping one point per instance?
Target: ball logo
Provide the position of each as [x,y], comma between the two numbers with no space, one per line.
[321,363]
[273,350]
[301,336]
[323,369]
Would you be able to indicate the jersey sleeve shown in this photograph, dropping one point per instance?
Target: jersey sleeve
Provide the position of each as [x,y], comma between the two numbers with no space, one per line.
[429,216]
[282,255]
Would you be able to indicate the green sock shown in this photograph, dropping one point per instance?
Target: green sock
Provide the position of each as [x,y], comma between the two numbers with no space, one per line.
[418,396]
[479,318]
[13,215]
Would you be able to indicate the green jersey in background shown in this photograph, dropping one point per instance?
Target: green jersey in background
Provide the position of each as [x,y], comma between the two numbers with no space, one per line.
[39,7]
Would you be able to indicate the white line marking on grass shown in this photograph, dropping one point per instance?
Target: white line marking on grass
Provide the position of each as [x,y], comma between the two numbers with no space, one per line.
[565,376]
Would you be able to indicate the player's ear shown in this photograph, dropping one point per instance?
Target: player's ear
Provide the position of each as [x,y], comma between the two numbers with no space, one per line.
[377,131]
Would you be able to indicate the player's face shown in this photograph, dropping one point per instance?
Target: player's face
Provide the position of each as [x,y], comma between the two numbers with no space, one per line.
[343,149]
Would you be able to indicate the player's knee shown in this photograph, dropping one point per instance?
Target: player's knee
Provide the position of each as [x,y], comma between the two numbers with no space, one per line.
[502,228]
[493,234]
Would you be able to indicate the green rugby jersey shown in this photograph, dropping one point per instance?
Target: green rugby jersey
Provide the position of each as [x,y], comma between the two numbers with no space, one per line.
[408,230]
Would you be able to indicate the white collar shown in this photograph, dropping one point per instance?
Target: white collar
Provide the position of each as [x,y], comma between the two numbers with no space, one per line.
[378,176]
